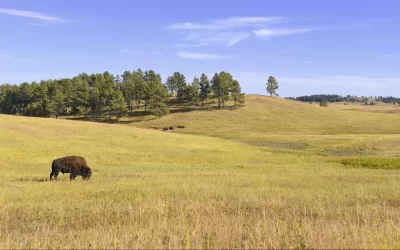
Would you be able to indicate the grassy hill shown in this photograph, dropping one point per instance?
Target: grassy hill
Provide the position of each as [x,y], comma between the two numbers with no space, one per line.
[285,124]
[264,176]
[268,116]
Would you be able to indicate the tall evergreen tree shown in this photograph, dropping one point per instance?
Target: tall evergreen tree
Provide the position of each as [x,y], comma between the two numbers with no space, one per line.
[128,89]
[237,95]
[272,86]
[204,88]
[81,97]
[221,84]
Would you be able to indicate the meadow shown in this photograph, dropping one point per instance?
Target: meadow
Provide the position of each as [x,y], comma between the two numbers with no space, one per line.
[273,174]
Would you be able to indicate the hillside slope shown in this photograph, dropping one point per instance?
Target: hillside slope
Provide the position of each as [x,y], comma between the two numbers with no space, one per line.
[271,116]
[153,189]
[30,144]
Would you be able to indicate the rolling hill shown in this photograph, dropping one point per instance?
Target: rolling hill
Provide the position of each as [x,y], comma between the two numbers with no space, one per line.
[264,176]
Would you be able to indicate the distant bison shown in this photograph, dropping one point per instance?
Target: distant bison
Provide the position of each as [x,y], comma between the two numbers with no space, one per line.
[74,165]
[165,128]
[171,128]
[181,126]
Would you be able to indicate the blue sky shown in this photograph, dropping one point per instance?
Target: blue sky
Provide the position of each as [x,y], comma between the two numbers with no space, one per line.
[310,46]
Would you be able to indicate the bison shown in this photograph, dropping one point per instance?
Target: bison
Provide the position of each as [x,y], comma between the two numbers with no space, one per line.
[74,165]
[165,128]
[181,126]
[171,128]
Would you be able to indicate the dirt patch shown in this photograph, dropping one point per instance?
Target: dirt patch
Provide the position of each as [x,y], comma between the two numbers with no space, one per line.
[280,145]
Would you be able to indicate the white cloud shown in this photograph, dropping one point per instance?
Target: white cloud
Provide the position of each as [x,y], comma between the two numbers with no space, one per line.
[220,32]
[229,23]
[200,56]
[31,14]
[386,56]
[279,32]
[222,38]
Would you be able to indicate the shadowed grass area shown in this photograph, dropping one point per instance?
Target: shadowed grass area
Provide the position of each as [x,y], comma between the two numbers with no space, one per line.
[264,187]
[375,163]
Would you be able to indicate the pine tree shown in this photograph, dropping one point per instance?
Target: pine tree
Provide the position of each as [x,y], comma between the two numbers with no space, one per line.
[204,88]
[81,97]
[272,86]
[159,97]
[118,103]
[221,84]
[237,96]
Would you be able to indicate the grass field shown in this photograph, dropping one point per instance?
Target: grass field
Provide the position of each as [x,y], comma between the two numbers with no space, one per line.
[269,175]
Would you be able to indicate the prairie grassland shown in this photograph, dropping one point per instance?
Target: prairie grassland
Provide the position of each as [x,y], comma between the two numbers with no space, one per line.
[384,108]
[264,187]
[271,116]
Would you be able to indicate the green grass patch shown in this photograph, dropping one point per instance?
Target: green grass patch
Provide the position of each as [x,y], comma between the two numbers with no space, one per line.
[374,163]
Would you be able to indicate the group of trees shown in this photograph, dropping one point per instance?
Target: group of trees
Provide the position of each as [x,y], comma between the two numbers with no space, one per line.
[108,95]
[349,98]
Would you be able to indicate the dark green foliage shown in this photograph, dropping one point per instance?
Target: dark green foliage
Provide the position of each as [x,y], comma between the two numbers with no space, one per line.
[176,84]
[272,86]
[106,95]
[221,85]
[348,98]
[205,89]
[321,98]
[375,163]
[237,96]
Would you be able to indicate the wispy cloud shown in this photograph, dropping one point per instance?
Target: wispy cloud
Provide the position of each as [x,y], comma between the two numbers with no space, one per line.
[200,56]
[220,32]
[33,15]
[386,56]
[228,23]
[280,32]
[219,39]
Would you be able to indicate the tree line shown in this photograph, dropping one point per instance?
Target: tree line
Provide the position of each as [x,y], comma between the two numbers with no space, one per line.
[348,98]
[104,94]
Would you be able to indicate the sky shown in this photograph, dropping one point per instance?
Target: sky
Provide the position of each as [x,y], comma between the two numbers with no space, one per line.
[310,46]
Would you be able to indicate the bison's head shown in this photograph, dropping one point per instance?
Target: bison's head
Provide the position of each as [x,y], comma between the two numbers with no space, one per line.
[86,173]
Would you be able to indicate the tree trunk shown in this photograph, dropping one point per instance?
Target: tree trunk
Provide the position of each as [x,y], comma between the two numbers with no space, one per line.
[219,102]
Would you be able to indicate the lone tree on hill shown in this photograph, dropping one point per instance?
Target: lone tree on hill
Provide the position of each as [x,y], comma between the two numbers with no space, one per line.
[272,86]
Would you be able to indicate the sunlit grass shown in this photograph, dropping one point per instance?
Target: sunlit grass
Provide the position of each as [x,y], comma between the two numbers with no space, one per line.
[264,187]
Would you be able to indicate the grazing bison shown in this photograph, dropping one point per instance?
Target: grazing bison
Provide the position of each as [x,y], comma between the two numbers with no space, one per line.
[165,128]
[181,126]
[74,165]
[171,128]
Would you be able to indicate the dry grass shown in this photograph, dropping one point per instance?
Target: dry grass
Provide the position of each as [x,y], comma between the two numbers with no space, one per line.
[262,188]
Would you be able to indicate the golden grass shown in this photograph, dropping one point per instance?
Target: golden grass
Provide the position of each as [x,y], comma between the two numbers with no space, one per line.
[154,189]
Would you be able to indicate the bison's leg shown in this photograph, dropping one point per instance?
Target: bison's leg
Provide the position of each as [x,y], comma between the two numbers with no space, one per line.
[55,174]
[72,175]
[51,175]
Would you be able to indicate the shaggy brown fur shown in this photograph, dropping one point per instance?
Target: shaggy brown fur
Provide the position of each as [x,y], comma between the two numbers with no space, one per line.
[75,165]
